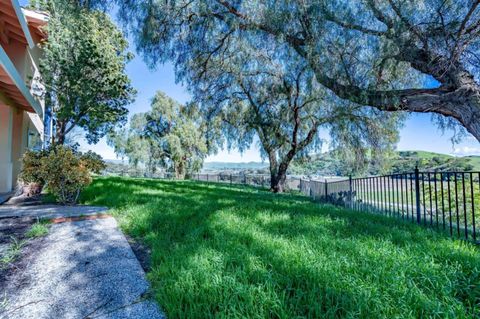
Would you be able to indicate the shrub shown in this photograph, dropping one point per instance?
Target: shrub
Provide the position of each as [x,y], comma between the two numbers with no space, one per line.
[62,170]
[65,173]
[93,162]
[31,163]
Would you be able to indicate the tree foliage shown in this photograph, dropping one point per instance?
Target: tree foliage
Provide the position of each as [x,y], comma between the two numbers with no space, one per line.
[169,135]
[255,93]
[83,70]
[418,56]
[247,84]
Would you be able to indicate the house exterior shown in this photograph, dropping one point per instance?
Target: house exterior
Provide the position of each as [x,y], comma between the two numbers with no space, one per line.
[21,106]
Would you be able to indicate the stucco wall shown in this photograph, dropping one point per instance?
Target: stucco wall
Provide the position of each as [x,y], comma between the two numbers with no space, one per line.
[6,167]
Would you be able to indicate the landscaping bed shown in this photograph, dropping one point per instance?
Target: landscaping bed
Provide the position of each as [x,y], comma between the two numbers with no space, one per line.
[20,240]
[232,252]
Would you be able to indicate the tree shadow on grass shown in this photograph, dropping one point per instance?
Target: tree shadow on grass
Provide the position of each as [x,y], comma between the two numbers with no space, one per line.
[187,200]
[247,252]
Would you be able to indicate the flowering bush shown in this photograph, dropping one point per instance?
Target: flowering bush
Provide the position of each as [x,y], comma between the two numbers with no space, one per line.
[62,170]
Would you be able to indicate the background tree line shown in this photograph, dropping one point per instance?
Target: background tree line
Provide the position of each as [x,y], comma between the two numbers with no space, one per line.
[169,136]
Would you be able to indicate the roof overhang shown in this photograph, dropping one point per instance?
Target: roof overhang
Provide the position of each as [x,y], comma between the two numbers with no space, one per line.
[18,27]
[21,25]
[23,22]
[36,21]
[15,92]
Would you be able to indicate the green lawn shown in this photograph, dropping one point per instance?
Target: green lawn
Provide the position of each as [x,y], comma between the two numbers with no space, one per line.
[239,252]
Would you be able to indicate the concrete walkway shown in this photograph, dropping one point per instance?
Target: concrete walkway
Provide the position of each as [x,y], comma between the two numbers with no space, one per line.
[85,269]
[49,211]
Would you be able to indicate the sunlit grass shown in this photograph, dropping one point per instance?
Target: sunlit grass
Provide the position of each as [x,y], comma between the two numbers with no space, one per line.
[38,229]
[240,252]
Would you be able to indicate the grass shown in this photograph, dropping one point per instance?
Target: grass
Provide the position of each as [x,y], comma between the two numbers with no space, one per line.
[240,252]
[11,254]
[15,246]
[38,229]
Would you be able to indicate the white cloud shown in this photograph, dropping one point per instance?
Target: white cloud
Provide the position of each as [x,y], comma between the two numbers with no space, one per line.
[466,150]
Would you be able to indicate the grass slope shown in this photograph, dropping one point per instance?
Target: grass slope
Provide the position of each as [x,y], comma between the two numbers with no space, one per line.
[475,161]
[426,154]
[240,252]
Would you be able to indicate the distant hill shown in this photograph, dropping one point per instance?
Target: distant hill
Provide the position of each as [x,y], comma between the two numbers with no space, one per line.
[400,162]
[222,166]
[116,161]
[475,161]
[326,164]
[438,161]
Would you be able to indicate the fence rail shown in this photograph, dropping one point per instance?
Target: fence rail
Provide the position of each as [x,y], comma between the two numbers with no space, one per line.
[259,180]
[448,201]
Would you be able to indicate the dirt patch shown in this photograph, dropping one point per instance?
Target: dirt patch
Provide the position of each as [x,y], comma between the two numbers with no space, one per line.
[141,251]
[15,229]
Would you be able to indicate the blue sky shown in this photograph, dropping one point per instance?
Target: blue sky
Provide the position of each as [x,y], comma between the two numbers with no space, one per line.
[419,133]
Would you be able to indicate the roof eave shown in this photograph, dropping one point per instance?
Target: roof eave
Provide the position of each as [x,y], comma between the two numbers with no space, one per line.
[12,72]
[23,23]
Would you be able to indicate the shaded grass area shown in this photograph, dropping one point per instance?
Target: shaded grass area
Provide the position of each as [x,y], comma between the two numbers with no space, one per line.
[12,252]
[236,252]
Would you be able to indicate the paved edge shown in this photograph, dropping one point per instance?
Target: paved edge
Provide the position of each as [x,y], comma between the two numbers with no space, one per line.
[50,211]
[86,270]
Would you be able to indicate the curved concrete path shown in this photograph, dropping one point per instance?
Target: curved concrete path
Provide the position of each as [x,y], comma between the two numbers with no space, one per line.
[86,269]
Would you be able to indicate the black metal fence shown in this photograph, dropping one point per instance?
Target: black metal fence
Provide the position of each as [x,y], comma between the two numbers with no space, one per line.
[258,180]
[448,201]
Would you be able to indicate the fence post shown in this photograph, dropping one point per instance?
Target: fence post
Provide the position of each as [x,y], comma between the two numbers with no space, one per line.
[230,179]
[350,191]
[244,179]
[207,177]
[417,194]
[326,190]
